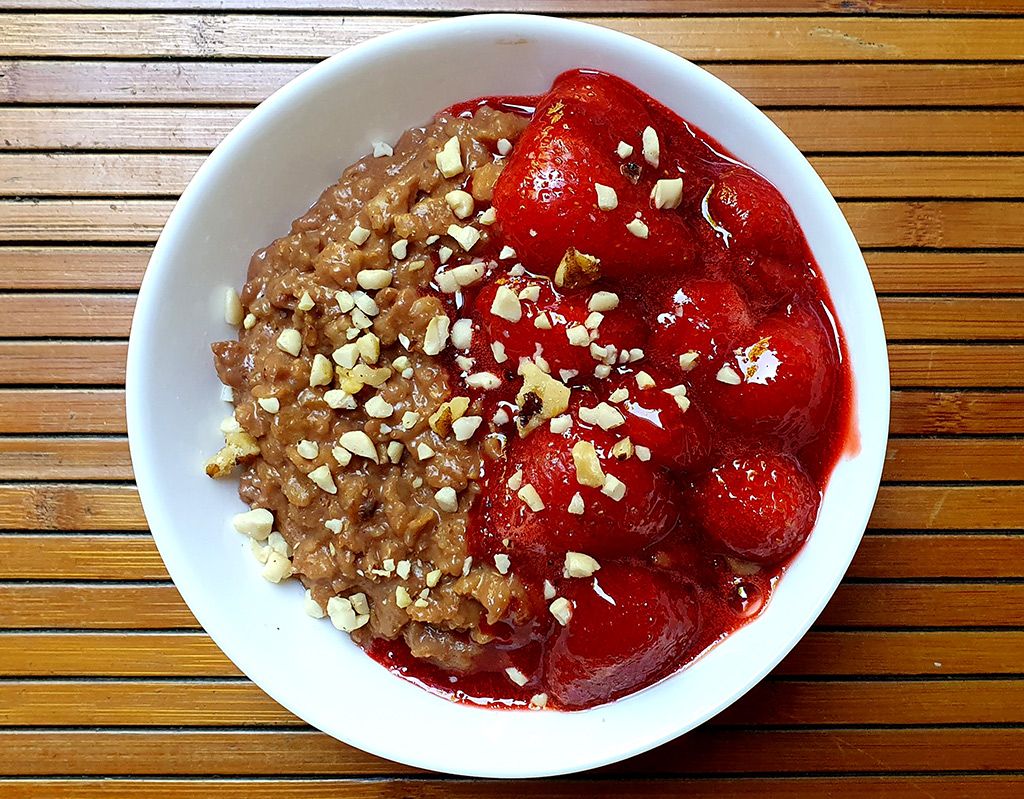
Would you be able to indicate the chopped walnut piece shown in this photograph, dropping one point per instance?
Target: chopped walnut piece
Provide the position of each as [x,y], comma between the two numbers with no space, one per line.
[441,420]
[239,447]
[588,466]
[541,398]
[577,270]
[622,450]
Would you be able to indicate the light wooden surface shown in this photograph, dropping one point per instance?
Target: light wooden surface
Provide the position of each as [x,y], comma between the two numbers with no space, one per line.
[909,685]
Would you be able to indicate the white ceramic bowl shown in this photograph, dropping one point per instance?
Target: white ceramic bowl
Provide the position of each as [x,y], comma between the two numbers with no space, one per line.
[267,172]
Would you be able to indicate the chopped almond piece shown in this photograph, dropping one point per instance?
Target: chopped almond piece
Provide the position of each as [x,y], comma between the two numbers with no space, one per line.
[579,565]
[256,523]
[506,305]
[374,279]
[321,373]
[637,228]
[436,337]
[233,313]
[461,203]
[652,147]
[607,199]
[561,609]
[688,360]
[447,500]
[576,506]
[588,466]
[358,443]
[449,158]
[290,341]
[359,235]
[321,475]
[613,487]
[529,495]
[667,193]
[729,376]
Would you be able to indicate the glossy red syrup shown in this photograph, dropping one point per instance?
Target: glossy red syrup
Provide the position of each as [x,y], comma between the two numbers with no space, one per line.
[732,486]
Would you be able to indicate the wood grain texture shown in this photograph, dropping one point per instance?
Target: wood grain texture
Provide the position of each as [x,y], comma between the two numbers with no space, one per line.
[99,410]
[956,413]
[708,749]
[235,36]
[80,315]
[162,174]
[49,267]
[765,84]
[838,130]
[65,459]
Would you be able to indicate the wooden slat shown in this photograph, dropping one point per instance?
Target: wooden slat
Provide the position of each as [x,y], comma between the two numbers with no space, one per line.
[26,556]
[706,39]
[797,85]
[939,271]
[954,413]
[240,703]
[62,362]
[98,410]
[85,315]
[156,174]
[922,459]
[849,130]
[70,506]
[960,365]
[67,506]
[65,459]
[948,319]
[831,654]
[707,749]
[924,557]
[72,267]
[649,7]
[940,223]
[27,606]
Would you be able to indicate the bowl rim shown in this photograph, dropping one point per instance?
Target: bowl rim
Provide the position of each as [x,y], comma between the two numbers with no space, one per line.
[147,478]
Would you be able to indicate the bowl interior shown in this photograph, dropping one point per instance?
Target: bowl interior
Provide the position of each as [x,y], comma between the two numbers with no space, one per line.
[266,173]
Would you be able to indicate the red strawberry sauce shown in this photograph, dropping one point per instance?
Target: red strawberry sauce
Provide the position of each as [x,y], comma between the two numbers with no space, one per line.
[718,293]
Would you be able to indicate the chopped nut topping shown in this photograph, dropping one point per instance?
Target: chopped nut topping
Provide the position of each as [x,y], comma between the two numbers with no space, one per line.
[506,304]
[468,274]
[465,426]
[652,147]
[449,158]
[321,475]
[579,565]
[233,313]
[502,563]
[578,336]
[278,567]
[307,449]
[395,450]
[365,303]
[667,193]
[619,395]
[576,507]
[541,398]
[249,322]
[623,450]
[485,380]
[444,254]
[378,407]
[409,420]
[613,487]
[516,676]
[506,253]
[359,235]
[560,424]
[541,321]
[374,279]
[311,607]
[488,217]
[321,373]
[339,400]
[561,609]
[402,598]
[433,578]
[588,466]
[504,146]
[643,453]
[593,320]
[305,302]
[688,360]
[577,270]
[341,455]
[607,199]
[343,615]
[461,203]
[269,404]
[368,346]
[358,443]
[462,334]
[466,236]
[361,320]
[637,228]
[447,499]
[448,412]
[424,452]
[529,495]
[436,337]
[624,150]
[515,482]
[729,376]
[549,591]
[345,301]
[498,350]
[678,393]
[603,415]
[635,354]
[400,249]
[531,293]
[360,604]
[290,341]
[603,301]
[381,149]
[256,523]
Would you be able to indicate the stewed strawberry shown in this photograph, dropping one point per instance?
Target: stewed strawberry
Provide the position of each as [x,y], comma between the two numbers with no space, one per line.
[627,626]
[760,507]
